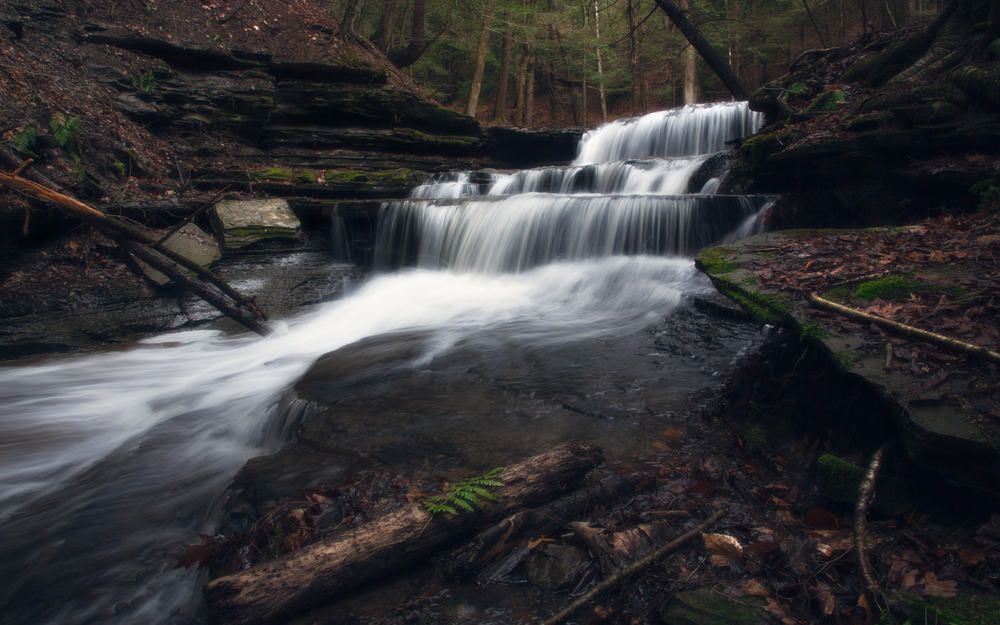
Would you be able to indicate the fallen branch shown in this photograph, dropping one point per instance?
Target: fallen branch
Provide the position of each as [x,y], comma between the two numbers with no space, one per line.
[632,569]
[866,494]
[490,545]
[274,591]
[240,308]
[902,328]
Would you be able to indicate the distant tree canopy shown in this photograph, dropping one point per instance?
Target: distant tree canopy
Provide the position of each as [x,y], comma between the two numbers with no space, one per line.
[542,62]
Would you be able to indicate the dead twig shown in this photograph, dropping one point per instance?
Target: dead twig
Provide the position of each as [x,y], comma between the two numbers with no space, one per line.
[902,328]
[623,574]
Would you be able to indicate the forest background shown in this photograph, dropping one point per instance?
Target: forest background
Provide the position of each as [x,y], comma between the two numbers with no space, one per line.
[579,63]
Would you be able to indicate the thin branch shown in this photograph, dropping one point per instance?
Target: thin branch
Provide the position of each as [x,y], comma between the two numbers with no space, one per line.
[623,574]
[866,494]
[906,330]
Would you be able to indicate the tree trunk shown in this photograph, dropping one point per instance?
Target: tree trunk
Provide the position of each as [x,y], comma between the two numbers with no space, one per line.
[638,84]
[707,52]
[600,64]
[384,37]
[405,57]
[503,83]
[529,95]
[477,75]
[276,590]
[522,76]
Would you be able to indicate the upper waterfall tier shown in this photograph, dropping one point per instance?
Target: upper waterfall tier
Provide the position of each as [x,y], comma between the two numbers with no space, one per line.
[687,131]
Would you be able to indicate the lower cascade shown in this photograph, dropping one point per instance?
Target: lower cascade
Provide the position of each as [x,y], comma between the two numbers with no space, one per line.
[109,462]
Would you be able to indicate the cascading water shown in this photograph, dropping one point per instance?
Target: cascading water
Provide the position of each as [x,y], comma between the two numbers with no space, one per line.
[109,462]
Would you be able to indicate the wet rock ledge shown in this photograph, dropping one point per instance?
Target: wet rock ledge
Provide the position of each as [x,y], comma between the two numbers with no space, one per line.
[939,276]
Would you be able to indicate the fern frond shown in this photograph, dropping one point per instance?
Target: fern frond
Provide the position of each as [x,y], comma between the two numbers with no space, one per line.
[464,494]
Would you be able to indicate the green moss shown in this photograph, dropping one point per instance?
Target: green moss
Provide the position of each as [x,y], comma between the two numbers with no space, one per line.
[306,176]
[755,440]
[864,123]
[763,307]
[827,101]
[716,260]
[898,288]
[352,176]
[809,331]
[963,609]
[759,147]
[274,173]
[839,479]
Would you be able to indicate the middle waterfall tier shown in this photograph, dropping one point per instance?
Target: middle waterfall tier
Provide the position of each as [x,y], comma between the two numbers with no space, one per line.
[514,233]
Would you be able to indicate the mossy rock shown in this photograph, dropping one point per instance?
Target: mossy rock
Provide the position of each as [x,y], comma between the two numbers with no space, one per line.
[716,260]
[839,479]
[964,609]
[758,148]
[864,123]
[829,100]
[705,607]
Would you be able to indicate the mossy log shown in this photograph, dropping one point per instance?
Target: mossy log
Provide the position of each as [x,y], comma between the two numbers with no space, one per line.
[275,590]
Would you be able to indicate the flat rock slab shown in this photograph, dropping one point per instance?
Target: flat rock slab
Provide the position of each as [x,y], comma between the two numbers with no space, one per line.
[242,222]
[940,277]
[192,243]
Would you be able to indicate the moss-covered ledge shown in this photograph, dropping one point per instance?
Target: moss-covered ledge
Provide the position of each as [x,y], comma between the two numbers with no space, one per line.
[937,400]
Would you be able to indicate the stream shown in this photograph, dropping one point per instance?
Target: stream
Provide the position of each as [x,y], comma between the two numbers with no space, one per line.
[569,289]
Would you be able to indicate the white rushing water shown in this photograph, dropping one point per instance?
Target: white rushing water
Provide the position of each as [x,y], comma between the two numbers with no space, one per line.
[109,462]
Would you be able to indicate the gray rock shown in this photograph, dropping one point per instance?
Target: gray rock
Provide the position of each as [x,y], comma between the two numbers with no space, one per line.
[242,222]
[192,243]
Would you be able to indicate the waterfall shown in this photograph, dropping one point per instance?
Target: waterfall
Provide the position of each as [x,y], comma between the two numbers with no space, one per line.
[110,462]
[626,193]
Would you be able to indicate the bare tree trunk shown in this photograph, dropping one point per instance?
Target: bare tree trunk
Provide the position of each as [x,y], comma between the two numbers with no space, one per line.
[638,84]
[405,57]
[529,95]
[583,92]
[477,75]
[600,63]
[522,77]
[503,84]
[385,36]
[707,52]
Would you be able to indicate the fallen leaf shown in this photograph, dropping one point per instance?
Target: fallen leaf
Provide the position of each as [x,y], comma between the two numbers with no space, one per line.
[753,588]
[818,518]
[723,544]
[933,587]
[824,596]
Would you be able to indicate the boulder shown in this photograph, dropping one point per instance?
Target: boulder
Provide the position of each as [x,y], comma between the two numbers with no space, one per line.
[192,243]
[242,222]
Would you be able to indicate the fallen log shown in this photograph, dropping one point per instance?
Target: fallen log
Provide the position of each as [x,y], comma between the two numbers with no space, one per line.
[226,299]
[318,573]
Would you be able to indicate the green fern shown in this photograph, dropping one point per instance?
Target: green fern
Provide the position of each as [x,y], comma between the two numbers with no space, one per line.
[464,494]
